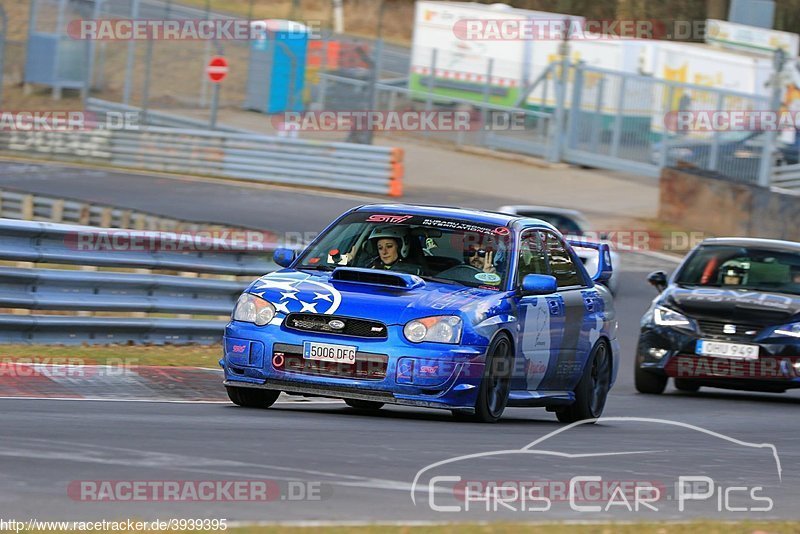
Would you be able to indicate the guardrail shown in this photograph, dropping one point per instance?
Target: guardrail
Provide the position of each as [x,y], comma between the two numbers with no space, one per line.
[787,177]
[27,289]
[227,154]
[35,207]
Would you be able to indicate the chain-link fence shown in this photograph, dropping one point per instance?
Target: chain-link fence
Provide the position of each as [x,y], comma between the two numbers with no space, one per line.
[559,110]
[625,121]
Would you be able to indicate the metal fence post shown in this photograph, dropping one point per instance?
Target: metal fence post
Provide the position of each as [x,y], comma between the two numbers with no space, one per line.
[126,91]
[617,134]
[323,76]
[487,93]
[206,58]
[556,140]
[431,85]
[575,107]
[3,32]
[765,168]
[148,66]
[713,157]
[62,7]
[597,124]
[664,159]
[87,89]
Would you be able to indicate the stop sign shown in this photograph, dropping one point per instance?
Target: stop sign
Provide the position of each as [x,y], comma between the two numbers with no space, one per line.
[217,69]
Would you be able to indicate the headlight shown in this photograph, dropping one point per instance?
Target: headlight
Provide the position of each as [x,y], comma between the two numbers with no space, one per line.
[791,330]
[666,317]
[439,329]
[252,309]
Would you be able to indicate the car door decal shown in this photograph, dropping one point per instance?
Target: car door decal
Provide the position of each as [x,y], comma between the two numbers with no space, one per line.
[565,364]
[535,340]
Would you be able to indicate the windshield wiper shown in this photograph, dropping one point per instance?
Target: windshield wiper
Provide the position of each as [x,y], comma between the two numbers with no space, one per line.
[442,280]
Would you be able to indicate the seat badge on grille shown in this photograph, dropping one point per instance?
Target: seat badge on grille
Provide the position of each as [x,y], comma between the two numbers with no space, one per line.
[336,324]
[376,329]
[729,329]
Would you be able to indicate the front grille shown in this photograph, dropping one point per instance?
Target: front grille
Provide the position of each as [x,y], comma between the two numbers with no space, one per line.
[742,331]
[309,322]
[368,366]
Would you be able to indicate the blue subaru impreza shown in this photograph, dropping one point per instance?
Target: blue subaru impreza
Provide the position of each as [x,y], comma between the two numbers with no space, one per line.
[448,308]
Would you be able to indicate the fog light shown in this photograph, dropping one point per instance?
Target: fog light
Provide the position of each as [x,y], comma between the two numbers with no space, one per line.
[797,365]
[657,353]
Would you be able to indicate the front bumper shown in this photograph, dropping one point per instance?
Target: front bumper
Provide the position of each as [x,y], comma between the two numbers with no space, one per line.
[672,352]
[391,370]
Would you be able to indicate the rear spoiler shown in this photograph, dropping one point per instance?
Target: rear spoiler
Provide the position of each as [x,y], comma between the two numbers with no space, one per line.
[604,267]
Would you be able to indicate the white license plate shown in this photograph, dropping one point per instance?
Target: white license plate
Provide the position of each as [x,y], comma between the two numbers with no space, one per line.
[329,353]
[721,349]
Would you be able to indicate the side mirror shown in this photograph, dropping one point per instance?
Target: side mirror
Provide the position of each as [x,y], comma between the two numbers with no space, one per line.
[539,284]
[283,256]
[658,280]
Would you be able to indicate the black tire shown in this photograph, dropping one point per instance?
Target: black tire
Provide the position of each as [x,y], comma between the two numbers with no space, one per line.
[493,392]
[685,384]
[592,390]
[649,383]
[363,405]
[252,397]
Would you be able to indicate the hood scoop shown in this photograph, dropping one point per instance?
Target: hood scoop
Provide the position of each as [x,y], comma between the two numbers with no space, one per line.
[375,277]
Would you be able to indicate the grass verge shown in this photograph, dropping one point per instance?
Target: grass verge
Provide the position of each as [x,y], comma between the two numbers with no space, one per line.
[169,355]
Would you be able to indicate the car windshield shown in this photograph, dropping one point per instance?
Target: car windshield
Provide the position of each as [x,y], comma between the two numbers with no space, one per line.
[742,268]
[441,249]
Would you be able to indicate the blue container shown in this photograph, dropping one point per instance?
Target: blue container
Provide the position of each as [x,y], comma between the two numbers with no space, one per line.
[276,75]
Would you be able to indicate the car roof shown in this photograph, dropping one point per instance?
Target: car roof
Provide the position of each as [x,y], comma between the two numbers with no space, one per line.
[771,244]
[466,214]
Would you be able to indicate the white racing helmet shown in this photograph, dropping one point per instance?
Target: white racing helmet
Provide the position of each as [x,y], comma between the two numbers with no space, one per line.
[393,232]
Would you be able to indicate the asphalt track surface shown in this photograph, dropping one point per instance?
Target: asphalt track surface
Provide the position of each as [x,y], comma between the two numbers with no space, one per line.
[343,466]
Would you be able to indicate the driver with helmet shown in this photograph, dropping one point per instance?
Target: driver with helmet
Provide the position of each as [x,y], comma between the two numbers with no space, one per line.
[734,273]
[393,246]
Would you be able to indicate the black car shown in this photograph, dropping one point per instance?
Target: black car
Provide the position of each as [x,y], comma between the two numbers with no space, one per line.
[729,317]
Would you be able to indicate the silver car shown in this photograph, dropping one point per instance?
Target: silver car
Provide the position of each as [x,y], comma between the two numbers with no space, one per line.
[572,224]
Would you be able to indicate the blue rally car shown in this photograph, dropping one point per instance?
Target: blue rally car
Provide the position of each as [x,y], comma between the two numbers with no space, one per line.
[449,308]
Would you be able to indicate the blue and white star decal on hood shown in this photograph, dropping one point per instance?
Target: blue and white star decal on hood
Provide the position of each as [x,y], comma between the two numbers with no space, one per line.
[298,293]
